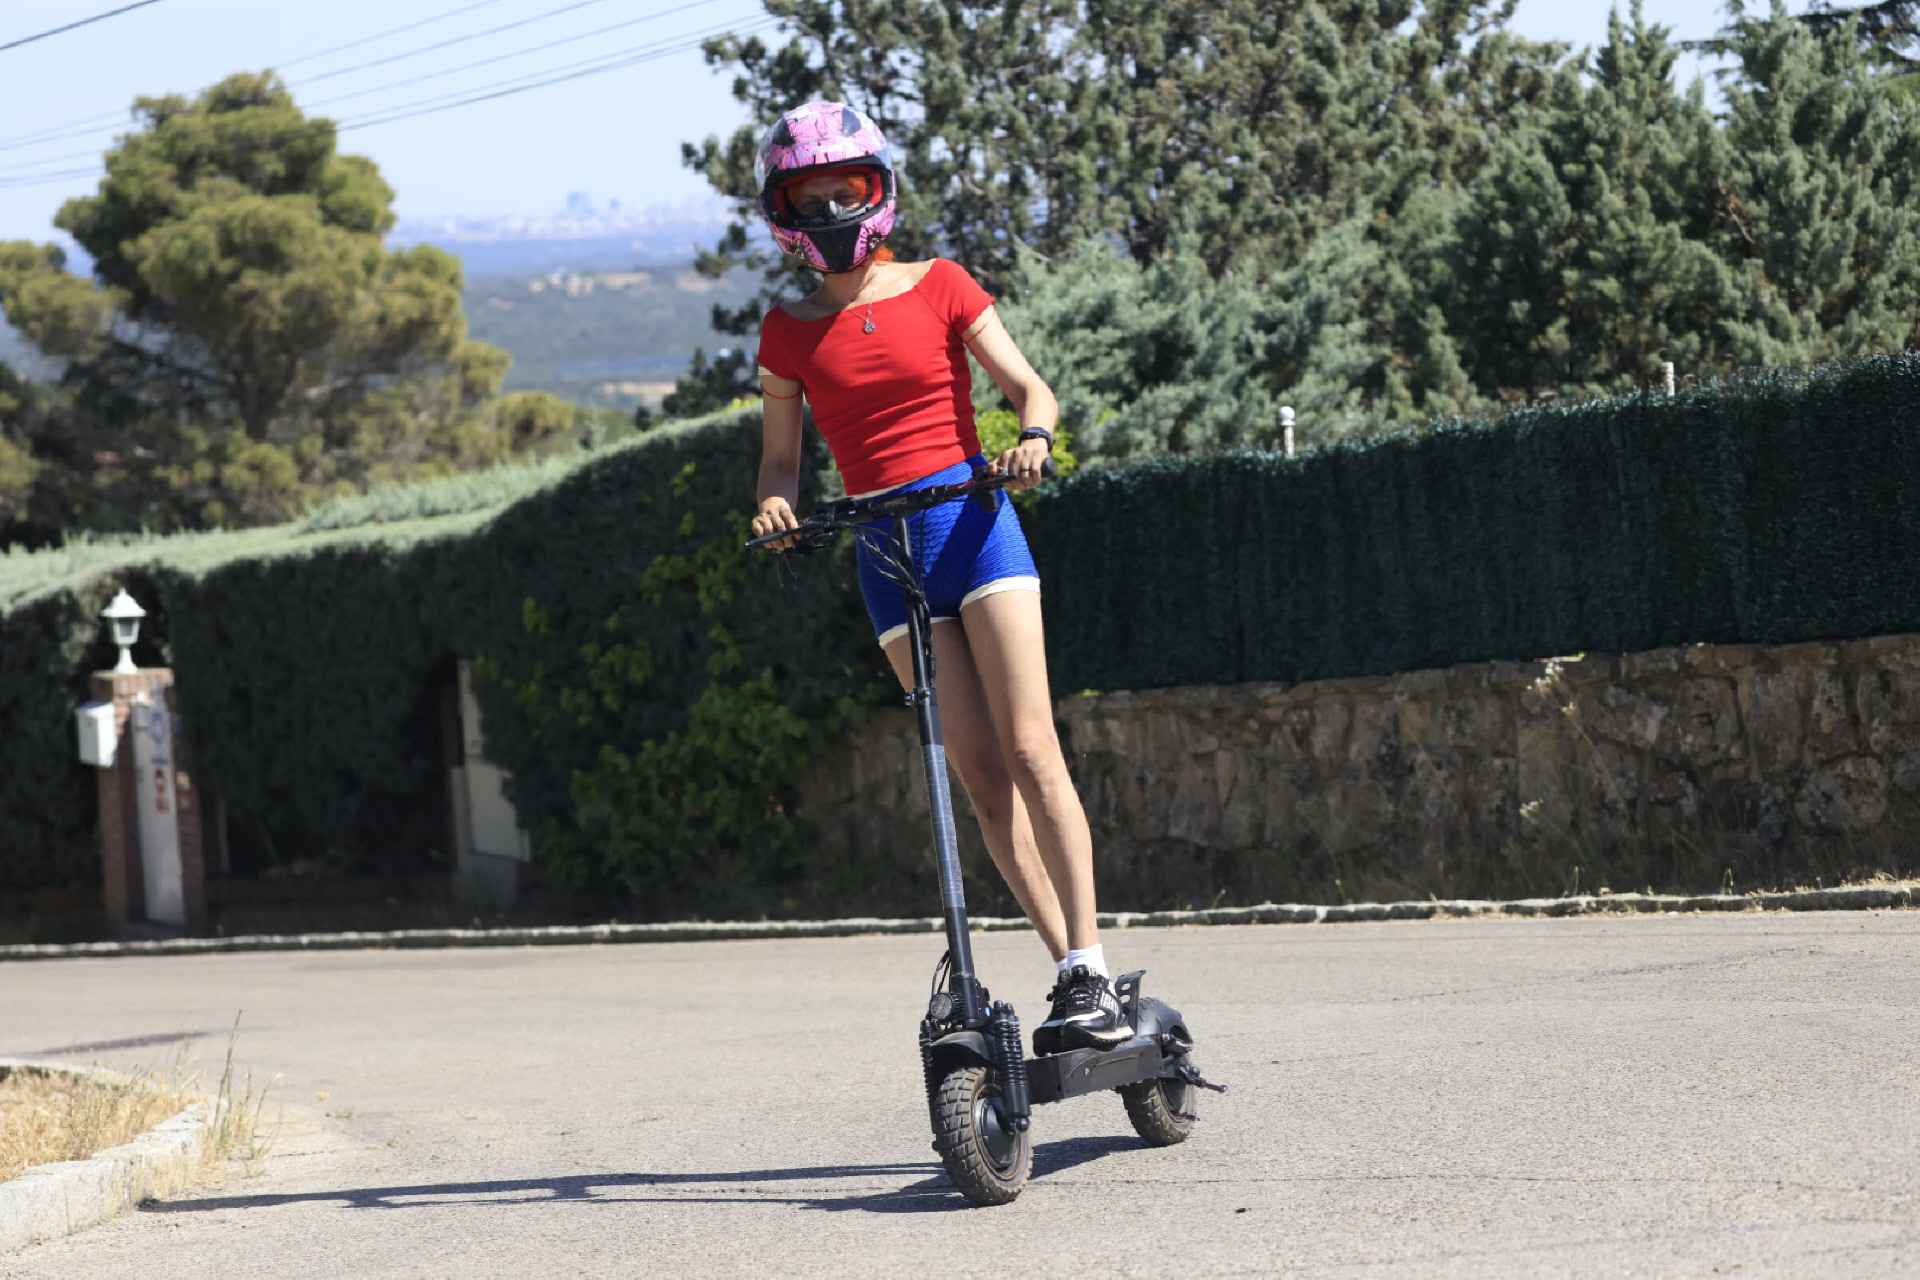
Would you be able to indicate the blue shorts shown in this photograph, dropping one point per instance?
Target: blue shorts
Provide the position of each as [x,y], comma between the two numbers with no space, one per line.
[962,551]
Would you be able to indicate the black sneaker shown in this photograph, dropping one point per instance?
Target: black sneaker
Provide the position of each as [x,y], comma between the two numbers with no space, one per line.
[1085,1015]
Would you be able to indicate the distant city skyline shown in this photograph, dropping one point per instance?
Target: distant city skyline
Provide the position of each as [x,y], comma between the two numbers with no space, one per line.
[62,100]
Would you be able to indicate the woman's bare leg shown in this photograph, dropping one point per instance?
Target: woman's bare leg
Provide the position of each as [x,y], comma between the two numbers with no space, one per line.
[974,751]
[1008,645]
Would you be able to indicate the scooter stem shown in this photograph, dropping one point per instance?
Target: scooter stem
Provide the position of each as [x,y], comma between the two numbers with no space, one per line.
[946,845]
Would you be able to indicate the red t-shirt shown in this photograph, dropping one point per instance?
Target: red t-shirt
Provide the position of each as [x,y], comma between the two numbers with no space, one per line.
[895,404]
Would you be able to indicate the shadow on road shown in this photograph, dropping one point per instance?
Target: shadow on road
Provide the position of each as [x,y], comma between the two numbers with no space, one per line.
[930,1192]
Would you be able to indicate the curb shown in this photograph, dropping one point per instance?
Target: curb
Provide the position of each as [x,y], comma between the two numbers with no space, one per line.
[1857,898]
[49,1201]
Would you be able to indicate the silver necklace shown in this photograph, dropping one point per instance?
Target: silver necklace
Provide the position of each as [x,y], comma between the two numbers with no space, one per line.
[866,321]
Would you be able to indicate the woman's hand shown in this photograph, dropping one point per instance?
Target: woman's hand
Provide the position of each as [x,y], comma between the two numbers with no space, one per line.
[1023,463]
[774,516]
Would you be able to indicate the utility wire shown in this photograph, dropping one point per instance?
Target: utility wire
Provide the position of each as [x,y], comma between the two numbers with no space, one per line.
[74,26]
[398,84]
[447,44]
[51,134]
[93,154]
[60,132]
[42,179]
[507,57]
[554,75]
[355,44]
[623,58]
[74,129]
[57,132]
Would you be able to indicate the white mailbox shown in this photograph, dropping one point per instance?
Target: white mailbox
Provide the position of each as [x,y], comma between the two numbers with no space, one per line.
[98,737]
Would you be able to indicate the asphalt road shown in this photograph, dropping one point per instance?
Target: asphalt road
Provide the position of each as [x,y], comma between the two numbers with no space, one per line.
[1655,1096]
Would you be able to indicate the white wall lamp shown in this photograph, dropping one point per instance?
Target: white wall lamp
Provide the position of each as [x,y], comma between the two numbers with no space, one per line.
[125,616]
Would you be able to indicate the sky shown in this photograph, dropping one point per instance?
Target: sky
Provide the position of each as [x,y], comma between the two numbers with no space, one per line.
[612,134]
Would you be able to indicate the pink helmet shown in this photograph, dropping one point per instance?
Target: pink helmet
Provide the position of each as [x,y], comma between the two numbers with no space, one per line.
[811,138]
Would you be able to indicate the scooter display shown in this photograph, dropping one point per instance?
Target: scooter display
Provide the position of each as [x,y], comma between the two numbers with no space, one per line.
[981,1087]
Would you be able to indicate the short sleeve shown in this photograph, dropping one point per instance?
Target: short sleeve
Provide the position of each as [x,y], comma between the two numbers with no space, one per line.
[962,297]
[771,357]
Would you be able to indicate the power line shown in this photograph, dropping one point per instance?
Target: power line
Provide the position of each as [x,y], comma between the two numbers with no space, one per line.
[42,179]
[93,154]
[355,44]
[53,135]
[74,129]
[620,59]
[73,26]
[92,124]
[645,50]
[507,57]
[554,75]
[49,135]
[447,44]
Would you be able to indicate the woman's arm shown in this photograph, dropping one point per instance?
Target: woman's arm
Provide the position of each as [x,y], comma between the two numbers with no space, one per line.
[779,457]
[994,348]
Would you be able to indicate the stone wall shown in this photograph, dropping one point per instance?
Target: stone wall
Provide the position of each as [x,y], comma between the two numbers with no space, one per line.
[1685,769]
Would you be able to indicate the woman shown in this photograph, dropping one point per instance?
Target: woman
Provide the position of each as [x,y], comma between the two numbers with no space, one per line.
[880,352]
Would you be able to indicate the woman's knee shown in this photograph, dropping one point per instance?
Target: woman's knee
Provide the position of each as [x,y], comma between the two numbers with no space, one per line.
[1034,759]
[989,785]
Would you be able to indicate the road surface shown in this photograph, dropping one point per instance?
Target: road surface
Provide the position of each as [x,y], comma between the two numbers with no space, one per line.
[1642,1096]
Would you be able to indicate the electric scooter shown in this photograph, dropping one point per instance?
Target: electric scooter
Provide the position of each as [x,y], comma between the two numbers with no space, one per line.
[981,1087]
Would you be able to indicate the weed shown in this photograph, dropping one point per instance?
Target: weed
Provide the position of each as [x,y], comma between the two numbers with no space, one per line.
[48,1115]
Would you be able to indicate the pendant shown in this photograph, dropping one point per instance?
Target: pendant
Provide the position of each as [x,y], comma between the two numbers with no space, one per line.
[867,327]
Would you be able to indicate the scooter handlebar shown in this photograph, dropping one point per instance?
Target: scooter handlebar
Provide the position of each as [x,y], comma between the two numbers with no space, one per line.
[818,529]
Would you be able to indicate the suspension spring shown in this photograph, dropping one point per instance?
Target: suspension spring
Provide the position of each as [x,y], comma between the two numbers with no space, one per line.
[927,1035]
[1013,1065]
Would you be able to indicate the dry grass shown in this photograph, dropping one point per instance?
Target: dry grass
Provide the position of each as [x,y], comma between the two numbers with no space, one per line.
[50,1115]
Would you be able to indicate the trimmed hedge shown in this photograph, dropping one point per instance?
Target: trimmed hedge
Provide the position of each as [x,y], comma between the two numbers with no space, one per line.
[1774,507]
[313,658]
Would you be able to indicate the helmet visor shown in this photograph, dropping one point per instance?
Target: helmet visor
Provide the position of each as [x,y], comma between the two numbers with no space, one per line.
[828,197]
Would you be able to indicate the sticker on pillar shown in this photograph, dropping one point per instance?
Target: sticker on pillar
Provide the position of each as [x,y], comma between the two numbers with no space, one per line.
[160,866]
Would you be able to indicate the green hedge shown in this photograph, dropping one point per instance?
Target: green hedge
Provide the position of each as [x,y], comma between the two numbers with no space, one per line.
[1776,507]
[313,658]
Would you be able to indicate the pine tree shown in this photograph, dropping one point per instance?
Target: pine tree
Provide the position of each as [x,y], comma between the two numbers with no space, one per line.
[18,466]
[1246,125]
[1585,254]
[1823,160]
[1145,358]
[247,343]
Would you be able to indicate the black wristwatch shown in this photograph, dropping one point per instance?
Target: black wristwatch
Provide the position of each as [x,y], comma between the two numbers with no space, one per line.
[1037,433]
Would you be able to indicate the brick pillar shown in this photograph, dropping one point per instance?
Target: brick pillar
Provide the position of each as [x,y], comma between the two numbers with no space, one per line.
[126,893]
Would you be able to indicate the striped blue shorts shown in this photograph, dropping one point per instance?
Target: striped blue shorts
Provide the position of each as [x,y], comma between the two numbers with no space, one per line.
[962,551]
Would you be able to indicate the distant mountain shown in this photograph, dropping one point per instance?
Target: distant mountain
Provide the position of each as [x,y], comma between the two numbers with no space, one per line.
[598,305]
[612,339]
[582,238]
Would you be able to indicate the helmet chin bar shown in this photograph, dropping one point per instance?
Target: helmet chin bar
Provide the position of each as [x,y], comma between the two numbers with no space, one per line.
[837,247]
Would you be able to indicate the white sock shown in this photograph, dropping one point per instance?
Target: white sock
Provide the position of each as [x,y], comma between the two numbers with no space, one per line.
[1094,957]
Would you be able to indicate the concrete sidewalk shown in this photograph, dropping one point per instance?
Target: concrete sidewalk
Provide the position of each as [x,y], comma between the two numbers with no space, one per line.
[1641,1096]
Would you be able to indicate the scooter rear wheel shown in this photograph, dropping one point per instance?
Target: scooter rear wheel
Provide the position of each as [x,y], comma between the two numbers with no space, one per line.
[987,1160]
[1161,1110]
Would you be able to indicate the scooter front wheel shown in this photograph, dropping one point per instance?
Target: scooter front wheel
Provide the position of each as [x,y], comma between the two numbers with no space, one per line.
[985,1156]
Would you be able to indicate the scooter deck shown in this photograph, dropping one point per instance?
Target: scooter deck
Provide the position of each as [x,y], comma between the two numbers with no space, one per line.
[1056,1076]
